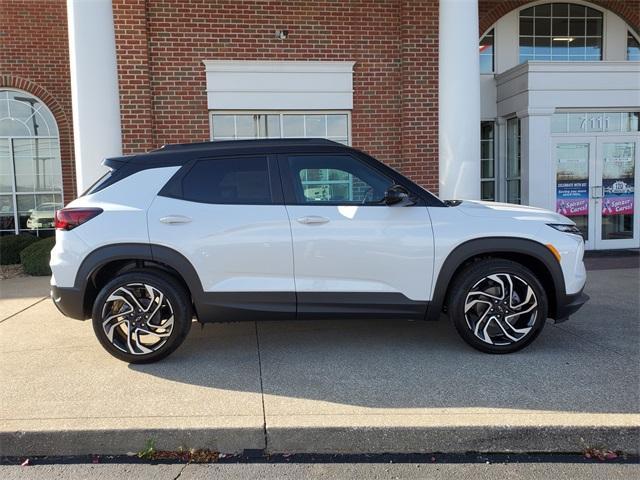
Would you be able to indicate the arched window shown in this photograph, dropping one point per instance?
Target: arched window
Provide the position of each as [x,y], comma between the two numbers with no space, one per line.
[30,166]
[560,32]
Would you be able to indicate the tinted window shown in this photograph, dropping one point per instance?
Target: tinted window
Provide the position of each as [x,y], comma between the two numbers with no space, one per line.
[337,179]
[234,180]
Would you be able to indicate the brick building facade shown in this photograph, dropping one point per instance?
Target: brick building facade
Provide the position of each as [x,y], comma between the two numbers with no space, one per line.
[160,46]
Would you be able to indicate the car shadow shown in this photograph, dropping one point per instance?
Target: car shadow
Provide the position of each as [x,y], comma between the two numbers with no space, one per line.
[402,365]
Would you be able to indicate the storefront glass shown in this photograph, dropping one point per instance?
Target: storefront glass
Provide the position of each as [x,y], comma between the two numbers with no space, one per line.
[30,165]
[618,185]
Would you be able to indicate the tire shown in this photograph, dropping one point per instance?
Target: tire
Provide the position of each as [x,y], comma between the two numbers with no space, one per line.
[486,322]
[123,336]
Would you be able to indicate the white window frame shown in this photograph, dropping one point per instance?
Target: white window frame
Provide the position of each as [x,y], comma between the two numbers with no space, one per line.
[281,113]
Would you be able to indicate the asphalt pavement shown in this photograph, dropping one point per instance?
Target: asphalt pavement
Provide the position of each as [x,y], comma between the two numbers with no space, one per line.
[327,471]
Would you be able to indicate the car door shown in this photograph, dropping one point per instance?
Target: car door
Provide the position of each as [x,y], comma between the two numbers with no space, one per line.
[226,216]
[354,255]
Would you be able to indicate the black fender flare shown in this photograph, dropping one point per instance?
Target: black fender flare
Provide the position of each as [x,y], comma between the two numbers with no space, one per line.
[100,257]
[496,246]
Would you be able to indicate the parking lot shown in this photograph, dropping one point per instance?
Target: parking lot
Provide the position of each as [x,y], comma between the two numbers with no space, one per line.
[357,386]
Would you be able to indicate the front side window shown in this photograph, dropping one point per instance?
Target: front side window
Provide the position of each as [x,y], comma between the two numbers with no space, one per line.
[512,174]
[633,48]
[250,125]
[30,165]
[336,179]
[560,32]
[487,53]
[243,181]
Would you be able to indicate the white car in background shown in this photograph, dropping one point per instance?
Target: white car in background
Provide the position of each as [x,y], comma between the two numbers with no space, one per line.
[43,216]
[230,231]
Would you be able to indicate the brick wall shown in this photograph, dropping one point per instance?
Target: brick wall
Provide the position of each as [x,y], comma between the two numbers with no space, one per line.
[34,57]
[161,44]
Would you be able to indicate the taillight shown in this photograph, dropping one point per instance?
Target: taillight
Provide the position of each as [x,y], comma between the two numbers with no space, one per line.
[70,218]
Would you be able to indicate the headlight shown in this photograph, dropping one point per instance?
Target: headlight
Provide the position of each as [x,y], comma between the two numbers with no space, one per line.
[561,227]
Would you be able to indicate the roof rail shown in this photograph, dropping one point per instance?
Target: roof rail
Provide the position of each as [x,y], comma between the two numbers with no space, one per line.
[243,143]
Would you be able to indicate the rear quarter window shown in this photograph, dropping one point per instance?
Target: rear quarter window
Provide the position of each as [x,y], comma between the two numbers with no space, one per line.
[243,181]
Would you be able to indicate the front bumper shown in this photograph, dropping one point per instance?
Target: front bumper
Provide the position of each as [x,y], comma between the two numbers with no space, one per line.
[570,305]
[69,302]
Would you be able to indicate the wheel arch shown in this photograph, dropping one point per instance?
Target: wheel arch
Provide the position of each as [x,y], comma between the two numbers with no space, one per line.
[528,253]
[104,263]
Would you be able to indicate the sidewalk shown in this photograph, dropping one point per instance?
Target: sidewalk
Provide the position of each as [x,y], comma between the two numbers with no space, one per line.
[351,387]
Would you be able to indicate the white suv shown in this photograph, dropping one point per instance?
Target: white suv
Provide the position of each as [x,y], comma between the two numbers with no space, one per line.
[301,229]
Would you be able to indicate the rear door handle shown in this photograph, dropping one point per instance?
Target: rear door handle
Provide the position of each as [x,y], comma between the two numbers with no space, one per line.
[175,219]
[312,219]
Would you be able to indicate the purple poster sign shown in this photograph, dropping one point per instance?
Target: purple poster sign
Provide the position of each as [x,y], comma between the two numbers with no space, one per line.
[618,197]
[572,198]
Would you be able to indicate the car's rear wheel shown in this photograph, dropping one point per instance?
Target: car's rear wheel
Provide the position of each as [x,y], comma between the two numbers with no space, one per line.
[141,317]
[497,306]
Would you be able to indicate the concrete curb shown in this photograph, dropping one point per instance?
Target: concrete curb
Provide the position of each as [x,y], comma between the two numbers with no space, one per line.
[358,440]
[124,441]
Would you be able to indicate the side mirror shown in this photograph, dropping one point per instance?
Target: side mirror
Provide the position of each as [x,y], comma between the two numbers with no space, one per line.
[395,195]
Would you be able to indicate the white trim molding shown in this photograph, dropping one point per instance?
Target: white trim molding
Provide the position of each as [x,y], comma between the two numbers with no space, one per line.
[279,85]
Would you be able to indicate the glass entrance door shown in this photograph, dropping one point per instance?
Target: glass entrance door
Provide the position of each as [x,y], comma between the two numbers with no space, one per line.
[617,223]
[595,187]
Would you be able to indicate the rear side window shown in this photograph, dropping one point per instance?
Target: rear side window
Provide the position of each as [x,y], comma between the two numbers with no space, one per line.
[242,181]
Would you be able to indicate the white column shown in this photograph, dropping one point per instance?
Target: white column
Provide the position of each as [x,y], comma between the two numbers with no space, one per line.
[94,87]
[537,168]
[459,98]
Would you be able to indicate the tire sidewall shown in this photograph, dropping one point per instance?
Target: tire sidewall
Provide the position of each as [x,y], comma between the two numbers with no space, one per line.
[472,275]
[176,295]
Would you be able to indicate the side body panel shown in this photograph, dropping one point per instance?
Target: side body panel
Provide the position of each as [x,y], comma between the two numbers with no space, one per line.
[460,236]
[375,249]
[123,220]
[242,254]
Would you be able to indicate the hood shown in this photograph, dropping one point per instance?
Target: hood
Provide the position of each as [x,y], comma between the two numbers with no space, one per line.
[477,208]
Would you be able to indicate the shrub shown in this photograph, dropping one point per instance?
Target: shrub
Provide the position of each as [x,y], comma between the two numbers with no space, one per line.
[35,258]
[12,245]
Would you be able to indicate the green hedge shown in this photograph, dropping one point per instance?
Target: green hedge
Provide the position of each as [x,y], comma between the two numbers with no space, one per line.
[35,258]
[12,245]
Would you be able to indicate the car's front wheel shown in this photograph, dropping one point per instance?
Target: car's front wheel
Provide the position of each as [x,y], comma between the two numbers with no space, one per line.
[141,317]
[497,306]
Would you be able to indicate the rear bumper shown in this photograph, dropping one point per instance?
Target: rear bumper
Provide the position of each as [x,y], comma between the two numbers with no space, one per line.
[69,302]
[570,305]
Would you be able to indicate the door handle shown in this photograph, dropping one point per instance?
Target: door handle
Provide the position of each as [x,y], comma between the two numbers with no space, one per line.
[596,192]
[175,219]
[312,219]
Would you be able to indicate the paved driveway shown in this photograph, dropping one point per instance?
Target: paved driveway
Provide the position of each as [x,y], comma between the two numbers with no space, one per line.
[323,386]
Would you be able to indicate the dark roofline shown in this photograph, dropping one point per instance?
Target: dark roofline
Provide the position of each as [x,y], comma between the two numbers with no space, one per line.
[178,154]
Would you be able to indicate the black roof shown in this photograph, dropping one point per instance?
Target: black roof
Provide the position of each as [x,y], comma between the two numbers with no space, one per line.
[177,154]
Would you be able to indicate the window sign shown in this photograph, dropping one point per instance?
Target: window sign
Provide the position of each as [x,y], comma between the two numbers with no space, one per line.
[595,122]
[572,179]
[618,179]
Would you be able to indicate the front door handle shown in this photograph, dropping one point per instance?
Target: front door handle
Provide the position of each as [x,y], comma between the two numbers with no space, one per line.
[312,219]
[175,219]
[596,192]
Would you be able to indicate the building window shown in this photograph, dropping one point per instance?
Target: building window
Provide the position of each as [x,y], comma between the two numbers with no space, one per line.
[249,125]
[487,53]
[633,48]
[512,174]
[560,32]
[30,166]
[487,161]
